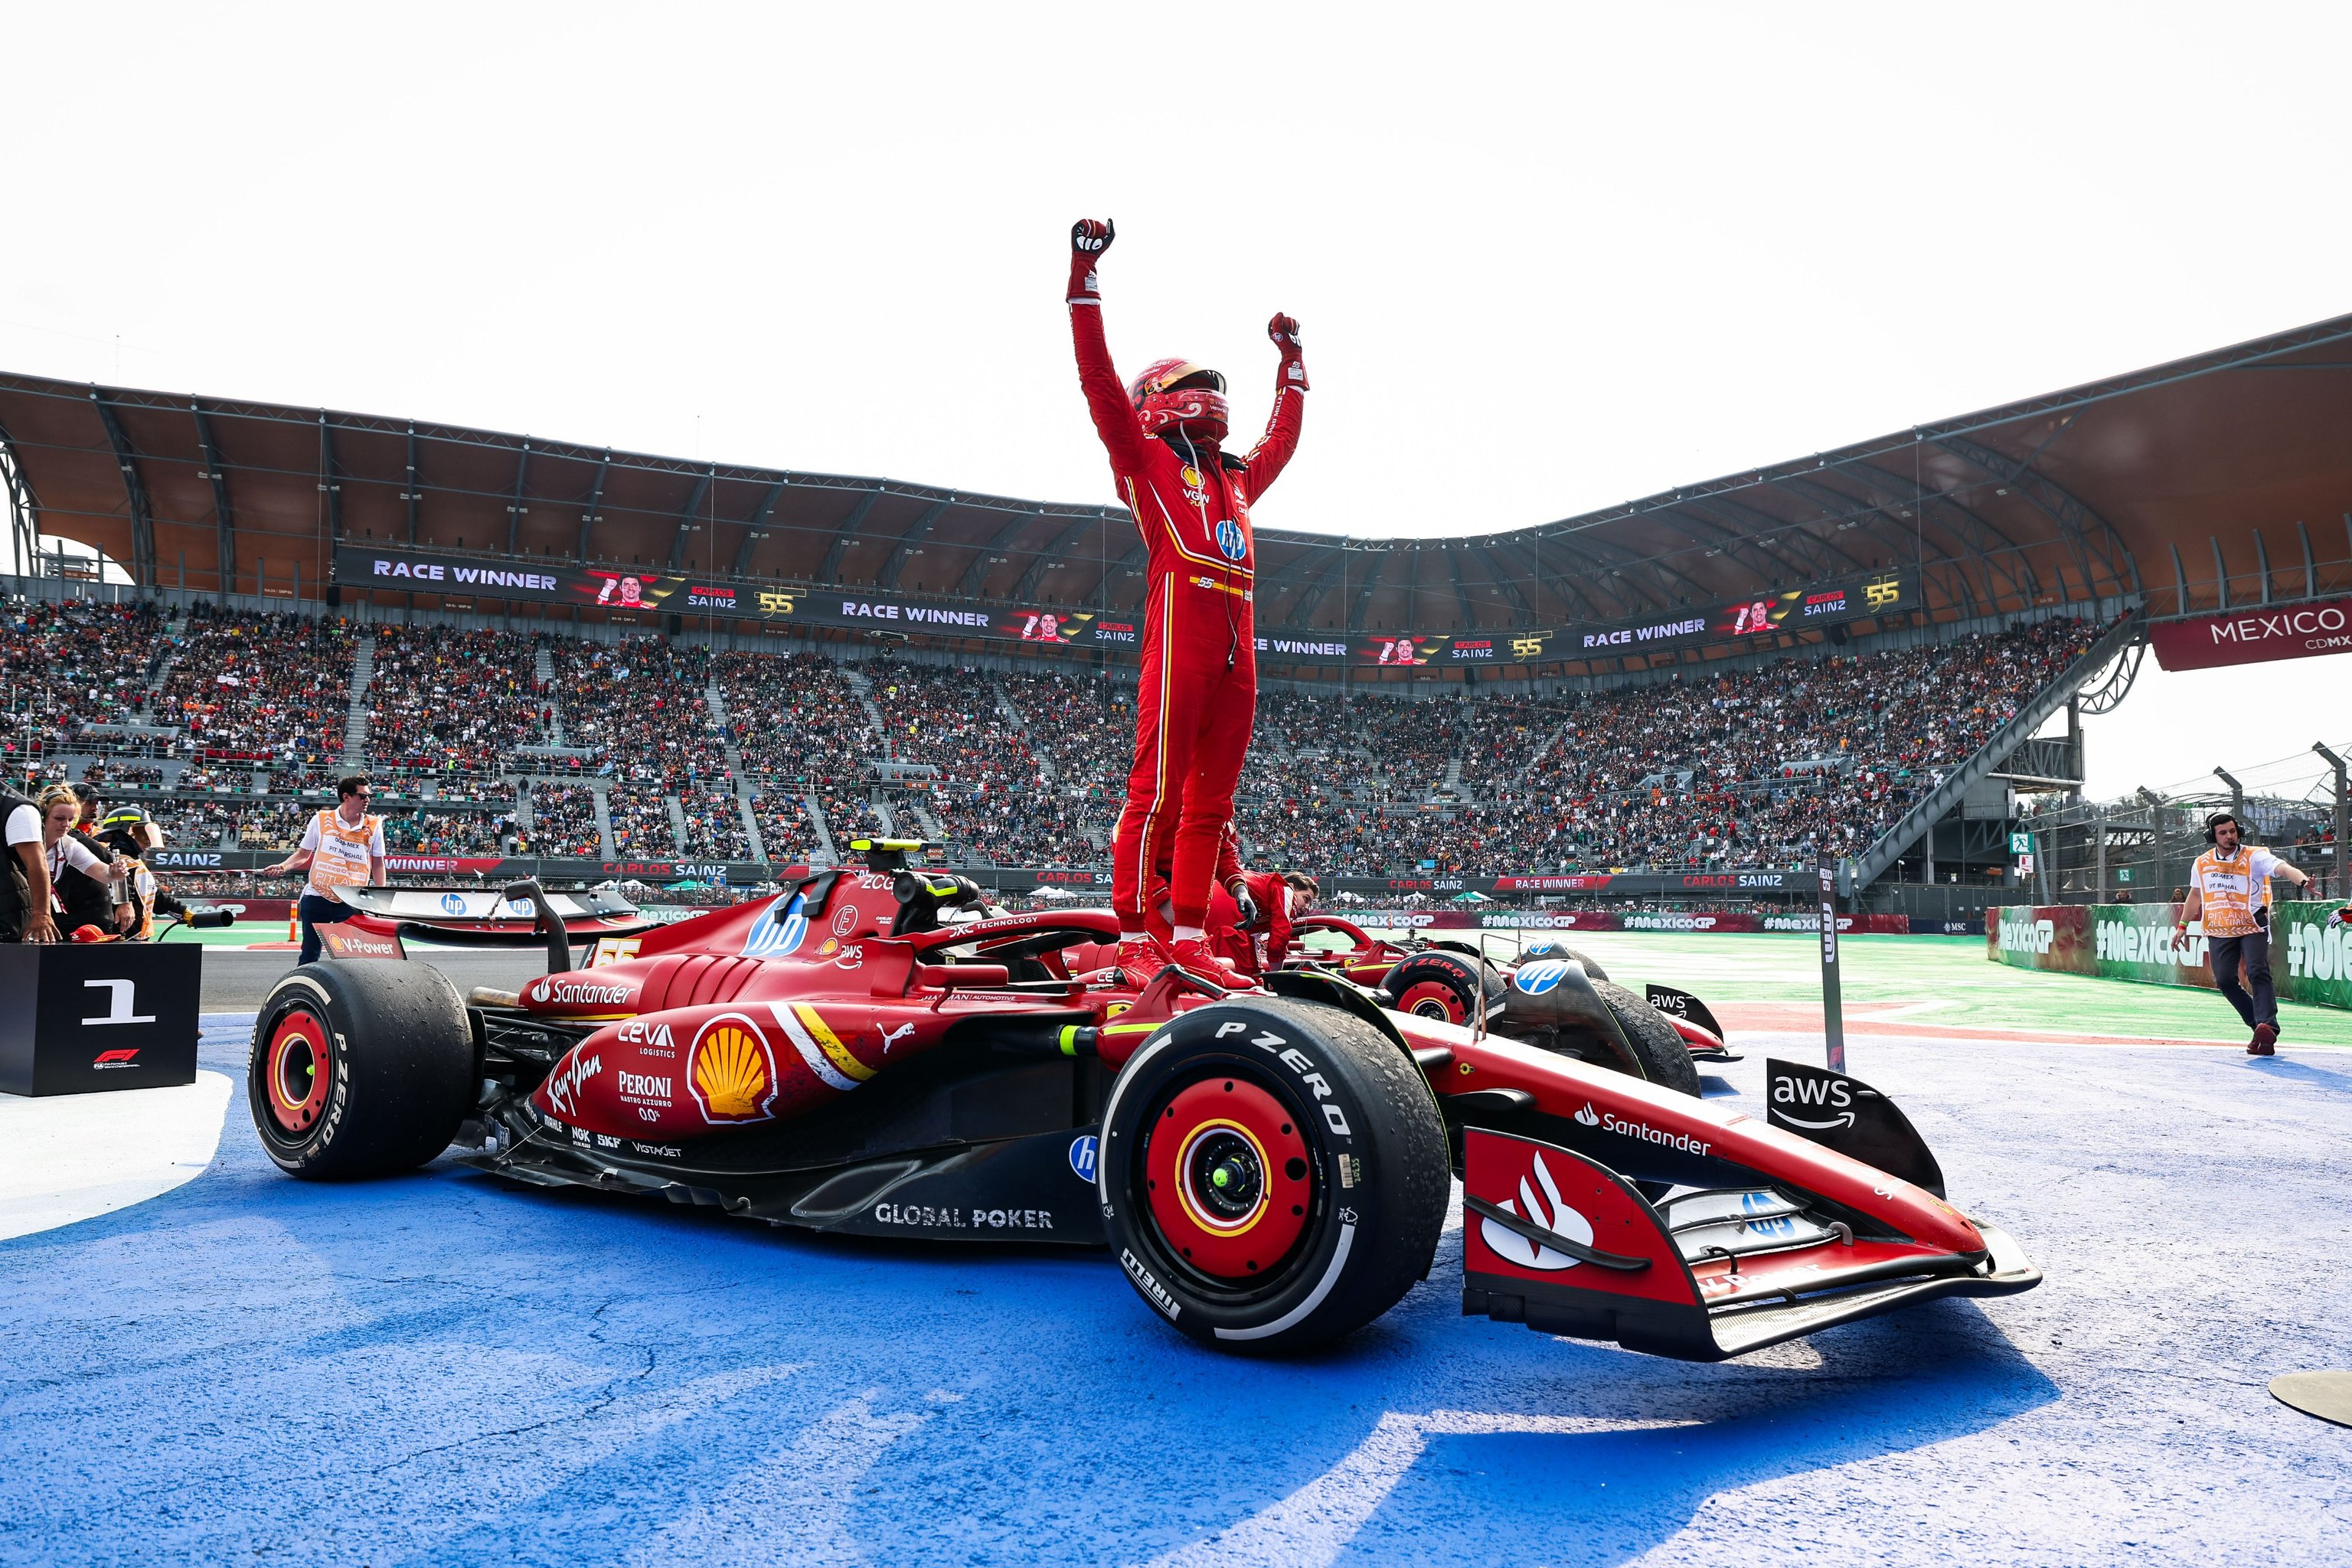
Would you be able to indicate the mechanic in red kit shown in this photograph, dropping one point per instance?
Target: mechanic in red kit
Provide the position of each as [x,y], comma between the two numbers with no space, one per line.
[1165,433]
[1247,924]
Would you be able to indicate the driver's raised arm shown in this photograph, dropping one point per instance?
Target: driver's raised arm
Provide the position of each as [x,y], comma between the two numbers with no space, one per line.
[1107,399]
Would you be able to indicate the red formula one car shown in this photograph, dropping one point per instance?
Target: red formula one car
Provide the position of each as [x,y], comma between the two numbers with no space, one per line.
[1455,981]
[872,1051]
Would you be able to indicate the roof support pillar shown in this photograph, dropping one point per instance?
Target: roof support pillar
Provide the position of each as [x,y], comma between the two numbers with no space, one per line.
[593,514]
[686,523]
[2220,572]
[908,544]
[757,528]
[516,511]
[412,493]
[845,536]
[142,523]
[223,520]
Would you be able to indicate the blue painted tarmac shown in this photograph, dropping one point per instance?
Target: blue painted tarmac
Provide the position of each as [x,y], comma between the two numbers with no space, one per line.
[440,1370]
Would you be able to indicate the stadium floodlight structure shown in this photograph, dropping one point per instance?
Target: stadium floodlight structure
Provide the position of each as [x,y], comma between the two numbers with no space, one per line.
[2237,795]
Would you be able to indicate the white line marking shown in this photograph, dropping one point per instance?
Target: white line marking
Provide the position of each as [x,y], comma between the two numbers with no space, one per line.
[1312,1526]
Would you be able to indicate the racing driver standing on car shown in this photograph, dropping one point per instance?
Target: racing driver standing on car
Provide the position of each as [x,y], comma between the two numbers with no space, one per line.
[1165,433]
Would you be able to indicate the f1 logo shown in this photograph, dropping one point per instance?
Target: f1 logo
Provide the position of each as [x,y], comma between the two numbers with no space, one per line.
[122,996]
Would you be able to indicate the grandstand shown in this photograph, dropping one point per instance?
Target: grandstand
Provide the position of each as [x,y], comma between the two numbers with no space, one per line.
[603,663]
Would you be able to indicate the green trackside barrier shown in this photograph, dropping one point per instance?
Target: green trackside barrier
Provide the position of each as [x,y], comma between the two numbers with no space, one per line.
[2311,955]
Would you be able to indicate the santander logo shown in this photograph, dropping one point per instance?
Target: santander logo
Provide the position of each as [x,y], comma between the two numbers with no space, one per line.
[1549,1211]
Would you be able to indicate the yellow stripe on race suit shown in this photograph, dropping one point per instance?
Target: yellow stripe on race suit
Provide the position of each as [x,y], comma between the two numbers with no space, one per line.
[830,1043]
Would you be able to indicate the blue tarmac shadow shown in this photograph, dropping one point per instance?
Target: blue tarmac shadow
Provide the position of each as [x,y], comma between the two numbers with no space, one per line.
[439,1369]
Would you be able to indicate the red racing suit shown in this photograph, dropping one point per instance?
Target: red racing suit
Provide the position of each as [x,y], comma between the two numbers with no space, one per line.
[1252,949]
[1198,694]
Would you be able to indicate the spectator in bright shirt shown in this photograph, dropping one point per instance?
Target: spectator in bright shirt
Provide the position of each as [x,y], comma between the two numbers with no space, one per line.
[340,848]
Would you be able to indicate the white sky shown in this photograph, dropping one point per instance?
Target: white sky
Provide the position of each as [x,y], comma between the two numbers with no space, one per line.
[1546,259]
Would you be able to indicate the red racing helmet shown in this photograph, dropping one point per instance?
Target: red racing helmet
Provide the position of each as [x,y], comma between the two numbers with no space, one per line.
[1178,394]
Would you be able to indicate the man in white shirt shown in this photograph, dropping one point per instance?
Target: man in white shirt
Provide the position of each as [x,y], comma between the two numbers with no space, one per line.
[340,848]
[2230,889]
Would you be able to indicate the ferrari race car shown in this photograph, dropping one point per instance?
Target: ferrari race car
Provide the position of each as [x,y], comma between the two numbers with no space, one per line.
[873,1051]
[1457,982]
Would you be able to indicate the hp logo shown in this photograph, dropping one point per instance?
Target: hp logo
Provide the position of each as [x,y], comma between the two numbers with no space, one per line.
[1229,543]
[1082,1157]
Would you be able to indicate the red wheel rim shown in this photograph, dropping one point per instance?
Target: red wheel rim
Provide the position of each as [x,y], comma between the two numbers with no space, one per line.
[1229,1181]
[1432,999]
[301,1071]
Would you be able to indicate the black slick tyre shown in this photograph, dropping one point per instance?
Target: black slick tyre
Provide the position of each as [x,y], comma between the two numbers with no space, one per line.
[1592,970]
[1442,985]
[360,1069]
[1664,1059]
[1273,1175]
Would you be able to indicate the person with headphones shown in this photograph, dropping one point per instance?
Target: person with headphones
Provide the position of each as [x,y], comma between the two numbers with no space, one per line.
[2230,887]
[1197,699]
[340,848]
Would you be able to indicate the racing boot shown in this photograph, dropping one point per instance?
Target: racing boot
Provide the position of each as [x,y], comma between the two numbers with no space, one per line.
[2265,1041]
[1140,957]
[1192,955]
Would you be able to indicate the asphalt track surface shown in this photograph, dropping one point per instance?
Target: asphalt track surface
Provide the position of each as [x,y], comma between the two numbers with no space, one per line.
[438,1368]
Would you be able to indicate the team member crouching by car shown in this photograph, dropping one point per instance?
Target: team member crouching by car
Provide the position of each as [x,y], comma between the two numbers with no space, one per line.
[41,850]
[340,848]
[2230,887]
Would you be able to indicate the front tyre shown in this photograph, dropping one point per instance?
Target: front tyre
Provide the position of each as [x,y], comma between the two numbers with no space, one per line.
[359,1068]
[1273,1173]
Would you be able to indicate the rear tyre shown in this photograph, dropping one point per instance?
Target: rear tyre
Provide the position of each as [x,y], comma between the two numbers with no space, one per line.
[1274,1175]
[1443,985]
[359,1069]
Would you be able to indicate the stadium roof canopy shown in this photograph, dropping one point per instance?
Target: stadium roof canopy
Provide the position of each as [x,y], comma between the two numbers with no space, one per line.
[2224,478]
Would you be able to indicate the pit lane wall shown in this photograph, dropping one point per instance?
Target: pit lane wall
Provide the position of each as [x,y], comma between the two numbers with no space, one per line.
[2310,955]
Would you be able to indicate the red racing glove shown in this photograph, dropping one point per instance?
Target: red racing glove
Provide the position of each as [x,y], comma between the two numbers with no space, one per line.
[1284,331]
[1089,238]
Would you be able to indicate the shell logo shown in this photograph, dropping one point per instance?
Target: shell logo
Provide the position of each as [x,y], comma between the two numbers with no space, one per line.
[732,1071]
[1191,476]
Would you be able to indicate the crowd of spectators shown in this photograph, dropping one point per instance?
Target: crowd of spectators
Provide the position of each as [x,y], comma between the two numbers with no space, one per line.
[562,822]
[63,667]
[644,705]
[714,825]
[258,688]
[1766,765]
[641,824]
[794,718]
[444,701]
